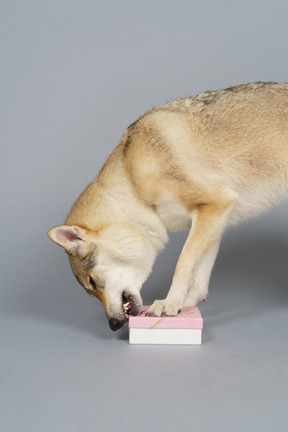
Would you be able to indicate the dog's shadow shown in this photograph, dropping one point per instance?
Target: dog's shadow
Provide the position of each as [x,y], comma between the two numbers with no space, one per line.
[249,270]
[250,279]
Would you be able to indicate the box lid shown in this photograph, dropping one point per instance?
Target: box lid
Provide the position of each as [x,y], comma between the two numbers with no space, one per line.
[189,317]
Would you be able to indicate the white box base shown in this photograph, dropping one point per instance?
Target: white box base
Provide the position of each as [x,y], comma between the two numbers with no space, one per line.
[165,336]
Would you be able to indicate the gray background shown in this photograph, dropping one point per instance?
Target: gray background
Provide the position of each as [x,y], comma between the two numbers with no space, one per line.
[74,74]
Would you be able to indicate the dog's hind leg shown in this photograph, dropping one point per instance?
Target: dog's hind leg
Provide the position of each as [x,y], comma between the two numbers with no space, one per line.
[198,290]
[209,221]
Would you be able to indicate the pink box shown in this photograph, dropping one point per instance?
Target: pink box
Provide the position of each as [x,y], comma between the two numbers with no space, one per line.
[185,328]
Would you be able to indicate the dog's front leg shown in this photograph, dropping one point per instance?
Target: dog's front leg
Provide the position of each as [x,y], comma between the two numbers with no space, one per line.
[209,221]
[198,290]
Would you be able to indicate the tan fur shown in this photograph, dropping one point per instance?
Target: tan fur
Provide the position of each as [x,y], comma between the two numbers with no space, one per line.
[199,163]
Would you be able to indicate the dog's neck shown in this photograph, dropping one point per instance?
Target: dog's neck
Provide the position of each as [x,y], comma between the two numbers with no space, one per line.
[106,203]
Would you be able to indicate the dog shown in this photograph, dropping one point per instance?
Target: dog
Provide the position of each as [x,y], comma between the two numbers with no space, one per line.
[198,164]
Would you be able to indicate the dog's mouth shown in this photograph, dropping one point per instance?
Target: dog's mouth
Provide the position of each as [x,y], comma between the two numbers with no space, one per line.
[131,305]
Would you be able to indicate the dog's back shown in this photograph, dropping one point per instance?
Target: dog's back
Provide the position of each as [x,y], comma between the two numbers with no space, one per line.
[236,138]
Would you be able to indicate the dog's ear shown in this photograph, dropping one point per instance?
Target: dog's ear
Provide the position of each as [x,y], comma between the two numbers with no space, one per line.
[69,237]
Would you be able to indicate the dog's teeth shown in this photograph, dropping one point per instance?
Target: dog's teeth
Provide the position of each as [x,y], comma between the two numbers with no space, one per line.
[126,307]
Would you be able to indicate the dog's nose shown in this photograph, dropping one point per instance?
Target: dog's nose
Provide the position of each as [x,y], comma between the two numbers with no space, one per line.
[115,324]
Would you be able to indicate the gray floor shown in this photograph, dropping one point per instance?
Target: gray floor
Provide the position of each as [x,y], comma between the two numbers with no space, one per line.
[74,75]
[62,369]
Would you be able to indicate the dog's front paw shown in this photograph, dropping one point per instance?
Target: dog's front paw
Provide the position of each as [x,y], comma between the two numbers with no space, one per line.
[164,307]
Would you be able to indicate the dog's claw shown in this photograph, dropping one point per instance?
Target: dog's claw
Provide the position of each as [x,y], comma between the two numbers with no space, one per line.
[150,314]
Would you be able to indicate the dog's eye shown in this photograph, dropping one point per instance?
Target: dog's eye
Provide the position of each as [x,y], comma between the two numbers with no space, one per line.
[92,282]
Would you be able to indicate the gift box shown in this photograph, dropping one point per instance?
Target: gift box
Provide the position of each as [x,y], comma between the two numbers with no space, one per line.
[183,329]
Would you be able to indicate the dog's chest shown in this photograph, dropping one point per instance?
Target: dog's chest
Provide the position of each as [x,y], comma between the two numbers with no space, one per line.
[174,216]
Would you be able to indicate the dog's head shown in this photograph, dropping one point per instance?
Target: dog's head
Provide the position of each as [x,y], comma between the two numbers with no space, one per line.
[110,264]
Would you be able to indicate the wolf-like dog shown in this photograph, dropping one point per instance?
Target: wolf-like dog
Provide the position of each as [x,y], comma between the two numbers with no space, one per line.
[199,164]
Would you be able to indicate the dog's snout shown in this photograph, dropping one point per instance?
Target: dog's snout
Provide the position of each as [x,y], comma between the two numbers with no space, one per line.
[116,324]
